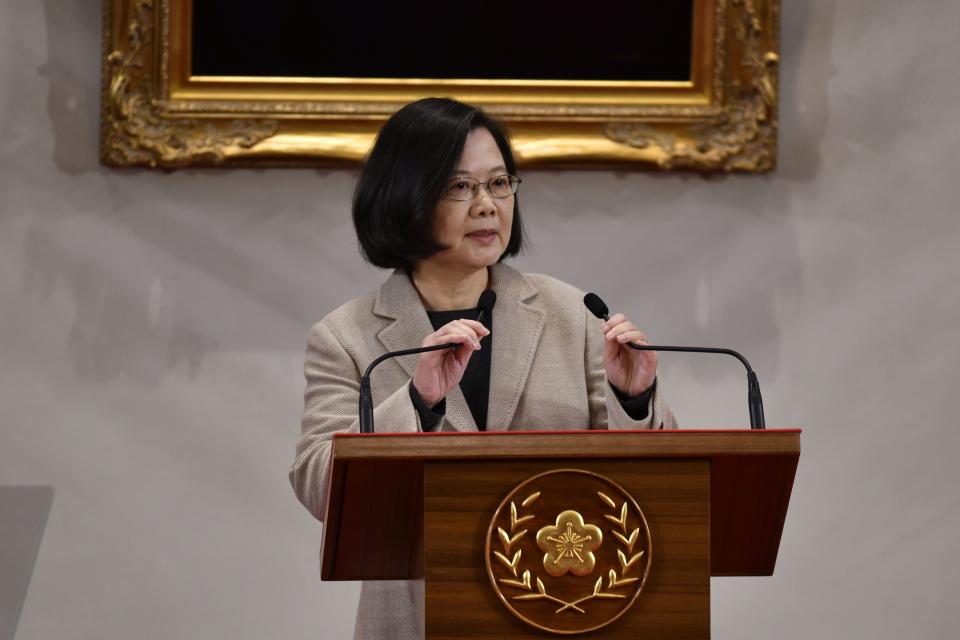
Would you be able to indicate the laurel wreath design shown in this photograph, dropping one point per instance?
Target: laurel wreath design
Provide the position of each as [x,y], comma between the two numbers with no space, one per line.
[629,559]
[525,580]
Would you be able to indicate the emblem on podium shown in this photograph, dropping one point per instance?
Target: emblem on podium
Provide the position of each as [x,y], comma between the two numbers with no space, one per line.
[568,551]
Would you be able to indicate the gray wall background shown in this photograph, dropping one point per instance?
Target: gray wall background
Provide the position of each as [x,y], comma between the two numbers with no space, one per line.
[152,329]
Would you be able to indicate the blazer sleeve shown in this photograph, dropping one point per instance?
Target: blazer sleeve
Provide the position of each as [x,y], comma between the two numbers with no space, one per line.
[330,406]
[606,412]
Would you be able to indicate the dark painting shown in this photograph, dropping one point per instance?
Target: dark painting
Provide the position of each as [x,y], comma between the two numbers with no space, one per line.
[531,40]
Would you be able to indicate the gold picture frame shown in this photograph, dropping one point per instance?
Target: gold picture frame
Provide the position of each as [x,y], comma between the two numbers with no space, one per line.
[155,113]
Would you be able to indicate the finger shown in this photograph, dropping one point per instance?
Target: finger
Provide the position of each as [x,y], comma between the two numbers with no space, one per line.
[636,337]
[462,327]
[477,327]
[612,322]
[620,329]
[454,337]
[455,327]
[464,330]
[462,356]
[611,350]
[463,339]
[459,329]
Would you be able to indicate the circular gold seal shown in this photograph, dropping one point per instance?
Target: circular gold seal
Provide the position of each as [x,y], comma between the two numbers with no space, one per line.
[568,551]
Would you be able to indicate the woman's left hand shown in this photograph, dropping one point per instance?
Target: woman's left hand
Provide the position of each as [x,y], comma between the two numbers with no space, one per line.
[630,371]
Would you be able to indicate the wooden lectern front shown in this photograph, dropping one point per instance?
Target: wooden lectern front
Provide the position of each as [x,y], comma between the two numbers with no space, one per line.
[601,534]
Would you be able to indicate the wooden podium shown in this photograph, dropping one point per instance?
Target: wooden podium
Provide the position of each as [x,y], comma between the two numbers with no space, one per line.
[444,507]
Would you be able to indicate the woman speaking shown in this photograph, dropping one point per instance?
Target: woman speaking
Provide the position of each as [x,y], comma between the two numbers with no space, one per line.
[437,203]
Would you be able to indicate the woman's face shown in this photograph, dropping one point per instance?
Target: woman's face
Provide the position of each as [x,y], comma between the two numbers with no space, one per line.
[476,231]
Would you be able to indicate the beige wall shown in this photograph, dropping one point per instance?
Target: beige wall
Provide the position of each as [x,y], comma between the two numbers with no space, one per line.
[152,327]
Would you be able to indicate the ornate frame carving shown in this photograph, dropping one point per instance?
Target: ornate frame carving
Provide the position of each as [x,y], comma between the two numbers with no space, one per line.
[154,113]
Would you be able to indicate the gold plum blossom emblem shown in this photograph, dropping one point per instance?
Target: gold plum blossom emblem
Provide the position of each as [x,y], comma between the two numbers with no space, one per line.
[568,546]
[595,551]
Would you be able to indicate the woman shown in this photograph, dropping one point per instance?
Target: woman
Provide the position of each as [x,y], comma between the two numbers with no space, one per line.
[436,202]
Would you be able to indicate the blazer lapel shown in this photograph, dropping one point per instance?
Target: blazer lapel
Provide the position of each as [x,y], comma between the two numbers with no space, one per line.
[398,299]
[516,333]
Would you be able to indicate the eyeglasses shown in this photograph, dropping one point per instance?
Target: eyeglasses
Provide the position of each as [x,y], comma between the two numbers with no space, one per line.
[467,188]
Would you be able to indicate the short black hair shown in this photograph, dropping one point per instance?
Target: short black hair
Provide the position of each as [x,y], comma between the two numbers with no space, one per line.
[406,174]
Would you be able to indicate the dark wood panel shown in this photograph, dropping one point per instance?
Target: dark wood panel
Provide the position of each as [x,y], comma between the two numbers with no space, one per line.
[750,496]
[462,496]
[376,521]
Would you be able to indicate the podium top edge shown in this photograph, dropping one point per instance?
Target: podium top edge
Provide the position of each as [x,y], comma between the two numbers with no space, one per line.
[568,444]
[565,432]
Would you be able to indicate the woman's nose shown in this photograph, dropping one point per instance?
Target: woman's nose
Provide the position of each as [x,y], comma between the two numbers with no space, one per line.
[483,206]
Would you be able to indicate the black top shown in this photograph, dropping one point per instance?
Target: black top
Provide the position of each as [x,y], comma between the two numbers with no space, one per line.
[475,383]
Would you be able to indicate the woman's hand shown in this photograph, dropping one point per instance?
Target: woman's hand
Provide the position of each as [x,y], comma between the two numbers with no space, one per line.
[630,371]
[438,372]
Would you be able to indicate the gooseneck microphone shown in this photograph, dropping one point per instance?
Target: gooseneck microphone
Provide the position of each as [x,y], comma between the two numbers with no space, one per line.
[754,400]
[487,300]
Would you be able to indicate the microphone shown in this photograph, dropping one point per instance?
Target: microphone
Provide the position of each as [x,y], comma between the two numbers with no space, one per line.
[754,401]
[487,300]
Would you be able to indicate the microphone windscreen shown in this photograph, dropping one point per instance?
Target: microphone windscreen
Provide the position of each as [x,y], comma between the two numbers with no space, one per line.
[487,299]
[596,306]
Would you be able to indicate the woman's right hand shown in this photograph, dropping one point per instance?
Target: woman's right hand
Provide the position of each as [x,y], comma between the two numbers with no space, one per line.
[438,372]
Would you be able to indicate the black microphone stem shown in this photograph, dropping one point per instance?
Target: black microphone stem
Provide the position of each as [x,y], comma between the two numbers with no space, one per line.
[754,400]
[366,396]
[486,303]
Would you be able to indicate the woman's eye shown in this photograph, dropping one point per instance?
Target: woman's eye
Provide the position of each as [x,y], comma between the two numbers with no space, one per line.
[459,186]
[499,182]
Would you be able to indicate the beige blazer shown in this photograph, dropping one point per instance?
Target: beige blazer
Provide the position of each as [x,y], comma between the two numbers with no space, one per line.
[546,373]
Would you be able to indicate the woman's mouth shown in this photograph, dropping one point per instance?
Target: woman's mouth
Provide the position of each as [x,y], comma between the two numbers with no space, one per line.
[483,236]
